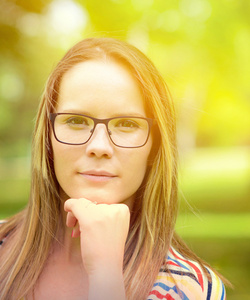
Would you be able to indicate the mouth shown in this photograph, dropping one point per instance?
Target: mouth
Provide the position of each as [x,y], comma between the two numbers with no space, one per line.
[98,176]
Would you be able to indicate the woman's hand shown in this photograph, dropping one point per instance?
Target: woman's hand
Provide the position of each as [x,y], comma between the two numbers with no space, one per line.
[103,230]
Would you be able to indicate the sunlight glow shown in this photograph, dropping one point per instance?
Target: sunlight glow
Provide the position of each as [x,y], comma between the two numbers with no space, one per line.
[66,16]
[199,9]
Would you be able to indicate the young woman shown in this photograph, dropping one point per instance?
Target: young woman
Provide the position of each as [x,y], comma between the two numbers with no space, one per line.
[100,220]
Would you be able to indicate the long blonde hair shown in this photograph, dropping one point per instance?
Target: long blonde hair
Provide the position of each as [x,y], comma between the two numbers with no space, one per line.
[154,215]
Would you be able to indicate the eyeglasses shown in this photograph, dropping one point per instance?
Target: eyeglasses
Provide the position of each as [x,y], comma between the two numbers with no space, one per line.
[124,131]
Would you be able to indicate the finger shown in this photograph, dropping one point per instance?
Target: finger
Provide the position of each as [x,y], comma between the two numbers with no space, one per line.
[76,231]
[71,220]
[70,204]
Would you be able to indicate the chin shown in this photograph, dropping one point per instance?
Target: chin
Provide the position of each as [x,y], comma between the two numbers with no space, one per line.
[92,196]
[100,197]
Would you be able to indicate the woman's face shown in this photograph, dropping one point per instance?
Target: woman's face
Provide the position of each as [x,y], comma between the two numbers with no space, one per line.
[99,170]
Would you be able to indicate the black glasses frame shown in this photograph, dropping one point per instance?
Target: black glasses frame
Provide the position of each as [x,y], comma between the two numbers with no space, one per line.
[99,121]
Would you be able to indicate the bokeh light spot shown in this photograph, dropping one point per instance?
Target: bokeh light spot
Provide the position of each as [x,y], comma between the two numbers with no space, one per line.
[11,87]
[169,20]
[200,9]
[66,16]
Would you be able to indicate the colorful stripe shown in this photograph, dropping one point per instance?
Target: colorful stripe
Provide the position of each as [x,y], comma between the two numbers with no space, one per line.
[184,279]
[198,272]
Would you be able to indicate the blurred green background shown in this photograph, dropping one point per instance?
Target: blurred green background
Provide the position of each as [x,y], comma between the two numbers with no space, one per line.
[202,48]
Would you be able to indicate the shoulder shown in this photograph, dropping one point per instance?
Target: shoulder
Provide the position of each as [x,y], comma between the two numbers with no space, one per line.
[184,279]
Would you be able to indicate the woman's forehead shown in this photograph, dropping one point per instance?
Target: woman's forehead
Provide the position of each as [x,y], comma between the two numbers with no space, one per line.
[98,85]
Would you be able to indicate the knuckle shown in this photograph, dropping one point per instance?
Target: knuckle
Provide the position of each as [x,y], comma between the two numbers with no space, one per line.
[124,208]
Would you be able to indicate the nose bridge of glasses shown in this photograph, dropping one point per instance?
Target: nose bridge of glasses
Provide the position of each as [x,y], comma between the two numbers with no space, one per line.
[100,123]
[103,122]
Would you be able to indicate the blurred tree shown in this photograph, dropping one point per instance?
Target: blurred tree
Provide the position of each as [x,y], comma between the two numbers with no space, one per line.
[22,73]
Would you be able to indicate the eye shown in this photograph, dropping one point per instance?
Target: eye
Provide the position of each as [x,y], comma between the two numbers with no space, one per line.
[77,120]
[127,123]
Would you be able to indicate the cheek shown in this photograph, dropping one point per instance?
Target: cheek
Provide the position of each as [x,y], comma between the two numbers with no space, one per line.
[62,155]
[57,153]
[58,159]
[64,158]
[138,164]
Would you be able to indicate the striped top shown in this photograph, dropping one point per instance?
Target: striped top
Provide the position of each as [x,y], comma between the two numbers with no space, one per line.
[185,280]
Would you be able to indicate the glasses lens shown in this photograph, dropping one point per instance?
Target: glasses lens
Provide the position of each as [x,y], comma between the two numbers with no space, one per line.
[73,129]
[128,132]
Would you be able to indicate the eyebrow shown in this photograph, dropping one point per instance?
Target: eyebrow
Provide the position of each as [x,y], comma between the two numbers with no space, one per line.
[130,114]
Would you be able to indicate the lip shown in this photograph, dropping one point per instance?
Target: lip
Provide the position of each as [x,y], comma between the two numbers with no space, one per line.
[98,176]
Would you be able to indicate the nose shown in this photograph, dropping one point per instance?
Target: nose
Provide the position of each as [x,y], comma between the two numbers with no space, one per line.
[100,144]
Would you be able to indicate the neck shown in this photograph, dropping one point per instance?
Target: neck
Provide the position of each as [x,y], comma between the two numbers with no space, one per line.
[67,248]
